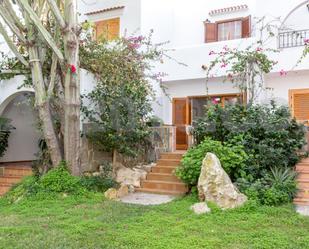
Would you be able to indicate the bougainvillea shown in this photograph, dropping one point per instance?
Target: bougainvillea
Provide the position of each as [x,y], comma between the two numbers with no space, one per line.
[120,103]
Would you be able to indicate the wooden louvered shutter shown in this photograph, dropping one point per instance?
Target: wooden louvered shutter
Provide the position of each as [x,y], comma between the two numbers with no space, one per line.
[101,30]
[299,102]
[246,27]
[210,32]
[113,28]
[108,29]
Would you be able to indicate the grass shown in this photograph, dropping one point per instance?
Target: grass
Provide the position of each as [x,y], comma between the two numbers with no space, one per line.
[93,222]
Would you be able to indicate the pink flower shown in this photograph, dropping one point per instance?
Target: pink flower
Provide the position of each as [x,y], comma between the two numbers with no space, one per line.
[73,69]
[283,73]
[226,48]
[306,41]
[223,65]
[259,49]
[215,101]
[230,76]
[212,52]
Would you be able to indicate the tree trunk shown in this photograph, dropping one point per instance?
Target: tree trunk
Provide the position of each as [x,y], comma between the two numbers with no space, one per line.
[43,107]
[72,90]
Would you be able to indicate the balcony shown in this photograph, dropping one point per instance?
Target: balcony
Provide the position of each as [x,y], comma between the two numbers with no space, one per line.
[292,39]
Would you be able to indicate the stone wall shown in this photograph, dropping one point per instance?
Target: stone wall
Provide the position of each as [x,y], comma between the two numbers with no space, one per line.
[91,158]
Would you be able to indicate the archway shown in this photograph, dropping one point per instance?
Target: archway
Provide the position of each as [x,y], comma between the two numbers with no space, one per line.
[23,141]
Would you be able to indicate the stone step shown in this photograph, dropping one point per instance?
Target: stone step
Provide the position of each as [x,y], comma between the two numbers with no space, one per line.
[301,201]
[302,166]
[4,187]
[162,177]
[163,169]
[175,156]
[168,162]
[303,175]
[303,193]
[10,179]
[160,191]
[164,185]
[303,184]
[15,171]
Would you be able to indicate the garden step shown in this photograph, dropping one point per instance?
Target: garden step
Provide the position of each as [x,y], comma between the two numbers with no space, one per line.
[303,193]
[302,166]
[15,171]
[163,169]
[301,201]
[159,191]
[162,177]
[303,183]
[164,185]
[171,156]
[4,187]
[303,175]
[168,162]
[10,179]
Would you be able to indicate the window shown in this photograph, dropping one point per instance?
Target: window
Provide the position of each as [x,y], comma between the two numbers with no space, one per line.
[107,29]
[199,103]
[227,30]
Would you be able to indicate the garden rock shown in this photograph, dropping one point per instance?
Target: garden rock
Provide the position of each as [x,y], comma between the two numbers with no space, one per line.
[111,194]
[122,191]
[132,177]
[215,185]
[200,208]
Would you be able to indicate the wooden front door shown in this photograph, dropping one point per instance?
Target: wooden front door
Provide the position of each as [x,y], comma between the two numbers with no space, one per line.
[179,121]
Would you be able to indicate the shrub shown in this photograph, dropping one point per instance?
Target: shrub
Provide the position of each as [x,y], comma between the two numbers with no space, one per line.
[232,158]
[59,180]
[277,187]
[269,135]
[97,183]
[5,130]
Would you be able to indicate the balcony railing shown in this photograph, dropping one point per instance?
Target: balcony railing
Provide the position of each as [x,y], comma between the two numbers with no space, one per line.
[292,39]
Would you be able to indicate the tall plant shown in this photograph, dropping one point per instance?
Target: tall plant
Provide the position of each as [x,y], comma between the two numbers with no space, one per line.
[51,65]
[5,130]
[119,104]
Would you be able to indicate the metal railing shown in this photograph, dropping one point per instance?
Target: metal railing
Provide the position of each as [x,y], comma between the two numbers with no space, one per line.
[164,138]
[292,39]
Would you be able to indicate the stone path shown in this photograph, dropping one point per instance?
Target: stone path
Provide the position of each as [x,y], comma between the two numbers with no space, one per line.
[147,198]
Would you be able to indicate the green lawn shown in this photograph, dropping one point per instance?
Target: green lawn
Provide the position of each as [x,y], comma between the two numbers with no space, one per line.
[97,223]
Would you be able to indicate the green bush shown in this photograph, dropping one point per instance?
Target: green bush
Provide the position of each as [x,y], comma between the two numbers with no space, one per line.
[97,183]
[59,180]
[269,135]
[5,130]
[56,182]
[232,158]
[274,189]
[271,138]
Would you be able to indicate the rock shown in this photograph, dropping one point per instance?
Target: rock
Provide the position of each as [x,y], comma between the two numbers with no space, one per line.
[128,176]
[111,194]
[122,191]
[215,185]
[200,208]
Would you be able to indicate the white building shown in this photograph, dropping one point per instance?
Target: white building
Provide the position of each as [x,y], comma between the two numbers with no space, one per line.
[182,22]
